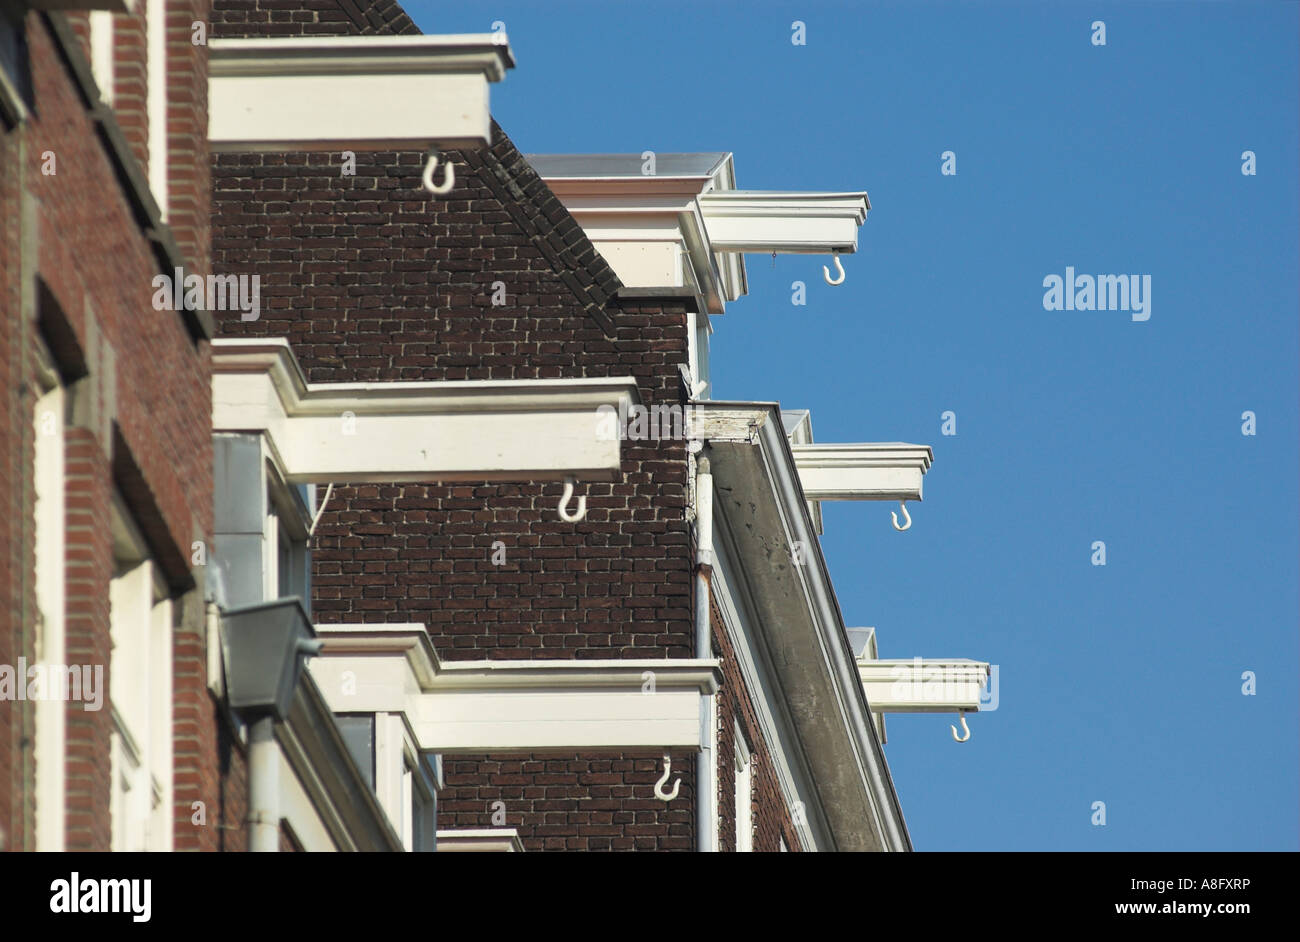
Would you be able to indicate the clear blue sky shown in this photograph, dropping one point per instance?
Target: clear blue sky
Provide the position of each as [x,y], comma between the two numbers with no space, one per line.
[1119,684]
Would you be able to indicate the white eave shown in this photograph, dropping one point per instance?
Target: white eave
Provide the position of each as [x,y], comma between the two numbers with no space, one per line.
[353,92]
[474,430]
[784,222]
[923,685]
[762,520]
[863,471]
[472,707]
[920,685]
[686,225]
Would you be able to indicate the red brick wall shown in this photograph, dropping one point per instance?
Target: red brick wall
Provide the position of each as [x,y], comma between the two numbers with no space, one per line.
[96,266]
[89,569]
[131,80]
[190,197]
[771,818]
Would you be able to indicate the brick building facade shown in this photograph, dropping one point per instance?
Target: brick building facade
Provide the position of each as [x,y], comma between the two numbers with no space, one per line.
[123,388]
[186,520]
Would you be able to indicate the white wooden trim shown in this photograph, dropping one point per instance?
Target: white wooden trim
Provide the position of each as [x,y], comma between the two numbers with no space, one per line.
[101,53]
[477,430]
[863,471]
[501,706]
[922,685]
[744,793]
[775,725]
[481,840]
[156,53]
[785,222]
[354,93]
[51,572]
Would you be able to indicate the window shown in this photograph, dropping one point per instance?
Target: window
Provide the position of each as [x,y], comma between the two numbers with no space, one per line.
[386,754]
[140,694]
[51,715]
[744,794]
[101,53]
[288,565]
[260,524]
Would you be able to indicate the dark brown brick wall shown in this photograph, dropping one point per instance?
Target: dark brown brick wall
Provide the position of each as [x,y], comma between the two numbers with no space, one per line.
[581,801]
[311,18]
[372,280]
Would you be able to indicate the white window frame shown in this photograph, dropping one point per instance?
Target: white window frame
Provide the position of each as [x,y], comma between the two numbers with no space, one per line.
[51,638]
[744,793]
[101,53]
[399,780]
[140,695]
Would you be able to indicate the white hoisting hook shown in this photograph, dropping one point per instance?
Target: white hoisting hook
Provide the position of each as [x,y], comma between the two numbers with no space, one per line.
[906,516]
[659,785]
[965,729]
[449,179]
[564,503]
[835,257]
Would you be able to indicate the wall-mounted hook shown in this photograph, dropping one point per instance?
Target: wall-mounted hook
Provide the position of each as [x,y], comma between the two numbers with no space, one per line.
[659,785]
[581,512]
[835,257]
[906,516]
[964,727]
[448,182]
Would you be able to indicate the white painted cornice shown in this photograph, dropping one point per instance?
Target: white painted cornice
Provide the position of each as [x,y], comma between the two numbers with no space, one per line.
[784,222]
[523,705]
[353,92]
[480,840]
[644,224]
[761,506]
[923,685]
[862,471]
[471,430]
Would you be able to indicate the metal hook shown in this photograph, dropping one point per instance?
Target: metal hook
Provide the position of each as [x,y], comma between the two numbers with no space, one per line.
[965,729]
[906,516]
[427,179]
[835,257]
[564,503]
[659,785]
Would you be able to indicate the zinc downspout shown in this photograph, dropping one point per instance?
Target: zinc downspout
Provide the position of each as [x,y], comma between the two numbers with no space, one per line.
[263,787]
[706,766]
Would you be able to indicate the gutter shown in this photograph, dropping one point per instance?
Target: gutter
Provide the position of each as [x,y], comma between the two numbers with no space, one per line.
[706,770]
[845,666]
